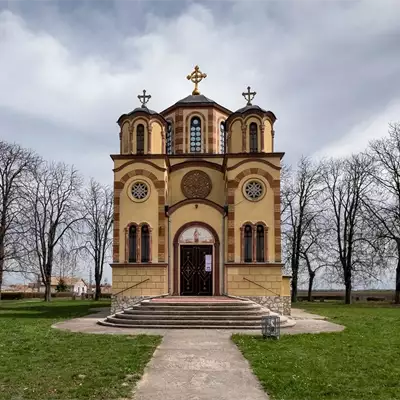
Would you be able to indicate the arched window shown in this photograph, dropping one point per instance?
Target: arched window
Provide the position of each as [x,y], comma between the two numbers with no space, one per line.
[169,137]
[248,243]
[145,243]
[260,244]
[132,243]
[222,137]
[195,135]
[140,139]
[253,138]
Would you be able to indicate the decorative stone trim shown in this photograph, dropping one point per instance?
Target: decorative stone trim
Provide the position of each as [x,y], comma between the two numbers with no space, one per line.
[196,184]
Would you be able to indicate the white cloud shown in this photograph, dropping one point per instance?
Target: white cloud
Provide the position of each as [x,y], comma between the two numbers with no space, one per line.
[357,139]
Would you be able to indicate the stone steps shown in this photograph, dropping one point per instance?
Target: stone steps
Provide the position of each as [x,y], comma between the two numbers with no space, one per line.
[193,313]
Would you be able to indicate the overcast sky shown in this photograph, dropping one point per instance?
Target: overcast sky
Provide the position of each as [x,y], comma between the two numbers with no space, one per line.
[329,70]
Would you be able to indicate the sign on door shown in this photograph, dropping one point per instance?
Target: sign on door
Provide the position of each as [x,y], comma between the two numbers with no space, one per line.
[208,262]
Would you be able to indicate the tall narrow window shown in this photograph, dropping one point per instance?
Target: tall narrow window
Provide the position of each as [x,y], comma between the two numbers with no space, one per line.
[248,243]
[169,137]
[132,244]
[195,135]
[145,243]
[140,139]
[222,137]
[260,252]
[253,138]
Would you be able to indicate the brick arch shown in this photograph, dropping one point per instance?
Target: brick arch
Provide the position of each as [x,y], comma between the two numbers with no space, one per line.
[160,187]
[251,171]
[203,130]
[216,255]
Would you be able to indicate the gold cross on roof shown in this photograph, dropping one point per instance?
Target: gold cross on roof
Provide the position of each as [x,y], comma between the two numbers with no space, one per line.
[144,99]
[249,96]
[196,76]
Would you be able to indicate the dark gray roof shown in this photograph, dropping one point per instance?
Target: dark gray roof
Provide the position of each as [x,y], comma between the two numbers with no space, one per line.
[248,108]
[195,99]
[142,109]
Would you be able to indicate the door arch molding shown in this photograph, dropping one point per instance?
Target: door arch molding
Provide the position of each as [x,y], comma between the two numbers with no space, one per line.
[177,267]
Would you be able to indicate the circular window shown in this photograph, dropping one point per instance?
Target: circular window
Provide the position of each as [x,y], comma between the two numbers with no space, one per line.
[254,190]
[140,191]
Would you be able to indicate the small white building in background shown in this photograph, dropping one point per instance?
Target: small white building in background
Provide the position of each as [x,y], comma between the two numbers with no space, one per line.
[75,285]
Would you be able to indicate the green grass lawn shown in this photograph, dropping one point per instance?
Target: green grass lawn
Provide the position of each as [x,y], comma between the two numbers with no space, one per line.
[39,362]
[362,362]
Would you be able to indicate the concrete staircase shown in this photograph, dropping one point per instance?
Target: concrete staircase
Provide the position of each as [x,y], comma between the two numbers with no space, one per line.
[194,313]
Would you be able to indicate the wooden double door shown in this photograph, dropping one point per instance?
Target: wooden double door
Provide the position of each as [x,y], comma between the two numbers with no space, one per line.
[195,279]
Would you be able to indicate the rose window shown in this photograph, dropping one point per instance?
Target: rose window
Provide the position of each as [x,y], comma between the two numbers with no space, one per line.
[254,190]
[139,190]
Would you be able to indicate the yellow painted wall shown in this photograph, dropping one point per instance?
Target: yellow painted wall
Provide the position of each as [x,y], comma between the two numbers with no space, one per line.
[285,290]
[131,211]
[125,137]
[268,146]
[235,140]
[269,277]
[174,185]
[125,277]
[156,138]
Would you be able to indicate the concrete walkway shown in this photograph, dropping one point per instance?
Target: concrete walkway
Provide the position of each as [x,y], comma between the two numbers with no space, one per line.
[197,364]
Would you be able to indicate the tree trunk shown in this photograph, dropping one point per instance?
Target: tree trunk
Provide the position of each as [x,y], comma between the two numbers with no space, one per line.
[310,285]
[98,291]
[294,286]
[347,298]
[47,292]
[397,293]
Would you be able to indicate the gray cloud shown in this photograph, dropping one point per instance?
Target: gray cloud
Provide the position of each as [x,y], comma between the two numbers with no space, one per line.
[68,70]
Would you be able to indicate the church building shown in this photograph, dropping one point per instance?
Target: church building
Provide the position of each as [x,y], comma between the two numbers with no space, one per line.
[197,203]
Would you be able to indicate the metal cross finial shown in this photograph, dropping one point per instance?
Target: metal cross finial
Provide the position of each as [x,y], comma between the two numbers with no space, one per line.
[144,99]
[196,76]
[249,96]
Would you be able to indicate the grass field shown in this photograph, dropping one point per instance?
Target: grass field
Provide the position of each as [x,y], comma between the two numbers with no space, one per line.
[362,362]
[39,362]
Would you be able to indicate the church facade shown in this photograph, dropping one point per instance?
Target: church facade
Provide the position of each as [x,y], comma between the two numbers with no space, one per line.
[197,203]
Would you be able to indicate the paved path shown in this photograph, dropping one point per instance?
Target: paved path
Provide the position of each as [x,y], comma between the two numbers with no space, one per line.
[198,365]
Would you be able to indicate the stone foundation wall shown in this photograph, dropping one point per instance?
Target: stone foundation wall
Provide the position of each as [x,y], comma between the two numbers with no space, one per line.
[278,304]
[120,303]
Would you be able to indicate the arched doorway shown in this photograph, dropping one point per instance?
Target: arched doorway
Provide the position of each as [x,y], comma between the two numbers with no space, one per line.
[196,260]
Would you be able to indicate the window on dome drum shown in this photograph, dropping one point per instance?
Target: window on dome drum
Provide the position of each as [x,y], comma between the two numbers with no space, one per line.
[248,243]
[253,138]
[169,137]
[145,243]
[140,139]
[222,137]
[132,244]
[195,135]
[260,244]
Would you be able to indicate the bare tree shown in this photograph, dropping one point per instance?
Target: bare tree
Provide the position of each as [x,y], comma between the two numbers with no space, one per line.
[15,165]
[53,212]
[347,182]
[299,193]
[384,207]
[98,209]
[313,250]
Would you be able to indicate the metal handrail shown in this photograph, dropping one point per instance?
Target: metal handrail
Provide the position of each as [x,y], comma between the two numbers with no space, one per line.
[131,287]
[261,286]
